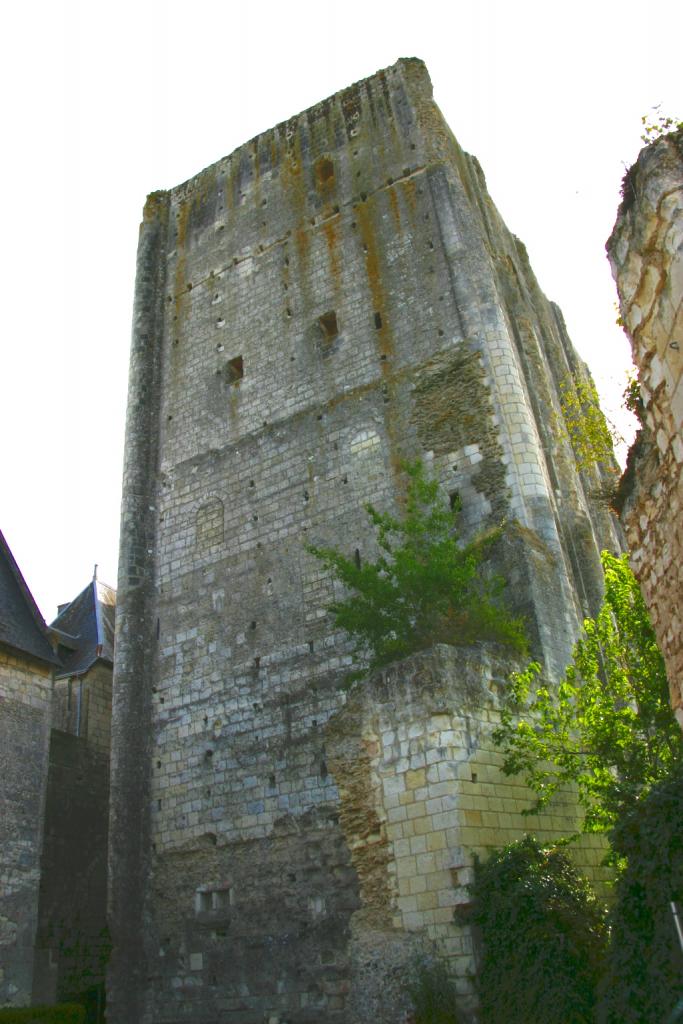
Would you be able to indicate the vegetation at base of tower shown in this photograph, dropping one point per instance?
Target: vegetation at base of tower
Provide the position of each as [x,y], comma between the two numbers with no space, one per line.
[543,937]
[63,1013]
[584,425]
[608,728]
[644,969]
[425,588]
[433,994]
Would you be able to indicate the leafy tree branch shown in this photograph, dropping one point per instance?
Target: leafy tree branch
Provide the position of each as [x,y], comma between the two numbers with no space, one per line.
[425,587]
[608,727]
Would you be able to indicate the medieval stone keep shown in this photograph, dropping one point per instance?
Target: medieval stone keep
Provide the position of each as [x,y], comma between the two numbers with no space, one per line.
[338,295]
[646,253]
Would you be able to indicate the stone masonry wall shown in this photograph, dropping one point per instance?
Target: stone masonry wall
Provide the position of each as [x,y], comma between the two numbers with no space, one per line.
[421,794]
[82,706]
[25,691]
[646,253]
[337,295]
[72,941]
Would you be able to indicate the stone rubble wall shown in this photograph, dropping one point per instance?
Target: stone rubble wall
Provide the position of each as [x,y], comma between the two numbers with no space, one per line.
[646,254]
[25,693]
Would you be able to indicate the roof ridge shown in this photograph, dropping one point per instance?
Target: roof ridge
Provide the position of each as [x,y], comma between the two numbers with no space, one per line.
[26,595]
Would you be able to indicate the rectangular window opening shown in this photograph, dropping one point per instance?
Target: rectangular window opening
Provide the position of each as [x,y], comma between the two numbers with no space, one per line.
[235,370]
[202,901]
[220,899]
[378,321]
[329,327]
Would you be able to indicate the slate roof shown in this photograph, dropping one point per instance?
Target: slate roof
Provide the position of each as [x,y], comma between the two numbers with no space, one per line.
[85,629]
[22,627]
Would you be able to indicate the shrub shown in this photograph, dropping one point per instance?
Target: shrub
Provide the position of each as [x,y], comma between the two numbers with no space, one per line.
[63,1013]
[433,994]
[644,978]
[542,935]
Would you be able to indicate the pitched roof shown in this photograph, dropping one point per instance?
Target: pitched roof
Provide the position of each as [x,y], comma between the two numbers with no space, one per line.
[85,629]
[21,624]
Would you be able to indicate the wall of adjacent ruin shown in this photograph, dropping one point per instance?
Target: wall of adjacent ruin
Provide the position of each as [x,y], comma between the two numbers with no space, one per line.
[337,295]
[646,253]
[25,690]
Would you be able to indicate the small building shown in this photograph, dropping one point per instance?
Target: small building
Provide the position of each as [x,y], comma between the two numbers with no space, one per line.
[72,941]
[84,632]
[27,663]
[55,714]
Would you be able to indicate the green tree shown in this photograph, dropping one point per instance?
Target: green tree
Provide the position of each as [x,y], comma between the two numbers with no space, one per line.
[425,587]
[542,934]
[608,727]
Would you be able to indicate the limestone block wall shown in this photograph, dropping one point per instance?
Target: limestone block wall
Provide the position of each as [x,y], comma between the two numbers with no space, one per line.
[82,706]
[421,793]
[25,692]
[337,295]
[646,254]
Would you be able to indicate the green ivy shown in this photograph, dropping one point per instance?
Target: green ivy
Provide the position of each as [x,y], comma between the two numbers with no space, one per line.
[63,1013]
[426,587]
[644,979]
[584,425]
[542,935]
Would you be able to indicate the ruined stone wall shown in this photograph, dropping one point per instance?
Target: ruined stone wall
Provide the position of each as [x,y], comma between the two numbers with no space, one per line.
[25,691]
[72,942]
[337,295]
[421,793]
[646,254]
[72,939]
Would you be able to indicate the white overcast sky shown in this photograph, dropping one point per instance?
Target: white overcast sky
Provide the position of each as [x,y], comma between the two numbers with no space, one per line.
[105,102]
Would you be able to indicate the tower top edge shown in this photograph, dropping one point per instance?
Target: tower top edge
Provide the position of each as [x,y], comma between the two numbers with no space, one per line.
[410,72]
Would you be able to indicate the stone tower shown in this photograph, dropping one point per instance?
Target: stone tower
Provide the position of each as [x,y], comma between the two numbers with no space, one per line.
[337,295]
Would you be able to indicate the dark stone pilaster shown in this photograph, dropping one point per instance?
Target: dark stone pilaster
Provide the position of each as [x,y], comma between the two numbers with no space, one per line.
[130,847]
